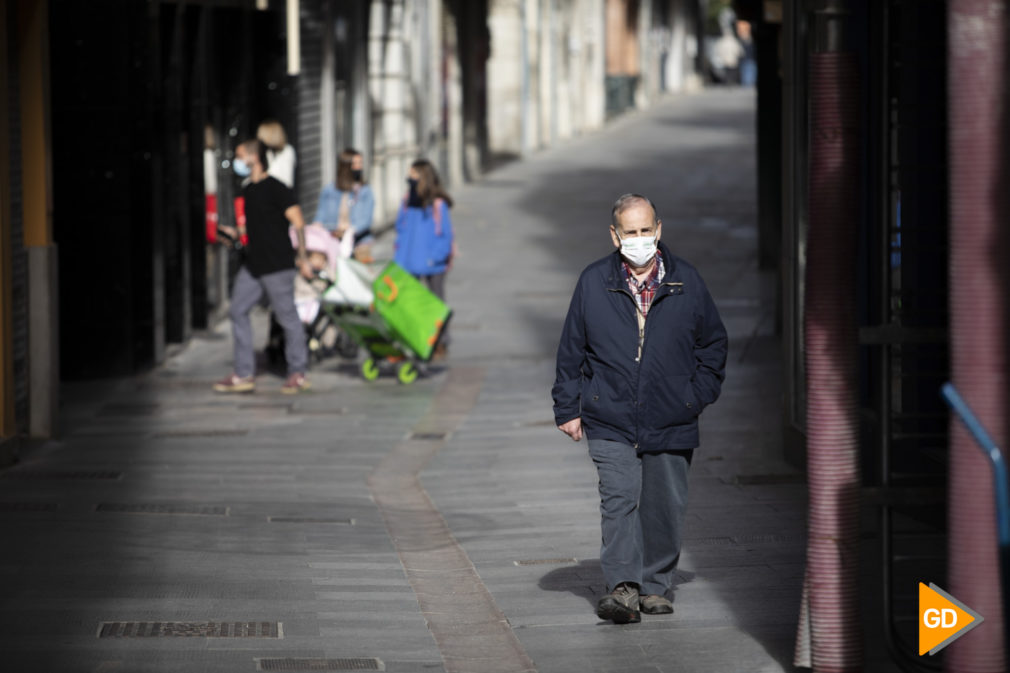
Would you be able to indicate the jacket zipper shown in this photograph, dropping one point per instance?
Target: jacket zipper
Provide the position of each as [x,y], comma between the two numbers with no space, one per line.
[641,339]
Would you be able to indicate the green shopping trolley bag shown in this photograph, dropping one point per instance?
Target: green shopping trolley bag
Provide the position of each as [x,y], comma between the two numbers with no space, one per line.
[414,316]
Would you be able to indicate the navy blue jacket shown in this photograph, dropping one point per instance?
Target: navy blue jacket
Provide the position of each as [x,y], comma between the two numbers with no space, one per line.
[652,404]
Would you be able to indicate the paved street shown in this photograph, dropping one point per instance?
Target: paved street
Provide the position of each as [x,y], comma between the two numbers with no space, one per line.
[445,525]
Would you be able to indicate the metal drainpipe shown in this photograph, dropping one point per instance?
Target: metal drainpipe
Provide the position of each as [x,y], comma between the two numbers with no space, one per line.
[294,38]
[831,633]
[976,74]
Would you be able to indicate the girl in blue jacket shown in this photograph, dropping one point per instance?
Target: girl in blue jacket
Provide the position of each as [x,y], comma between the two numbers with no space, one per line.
[425,244]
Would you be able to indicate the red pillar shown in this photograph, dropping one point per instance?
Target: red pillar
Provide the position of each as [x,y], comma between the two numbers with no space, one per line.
[976,83]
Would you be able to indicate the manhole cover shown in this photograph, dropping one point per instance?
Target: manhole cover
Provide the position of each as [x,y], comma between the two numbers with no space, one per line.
[304,664]
[154,508]
[190,630]
[545,561]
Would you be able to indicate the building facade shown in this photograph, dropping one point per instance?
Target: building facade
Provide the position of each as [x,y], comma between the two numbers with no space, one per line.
[119,120]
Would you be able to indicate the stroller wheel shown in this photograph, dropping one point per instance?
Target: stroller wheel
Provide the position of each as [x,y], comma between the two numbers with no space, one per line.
[406,373]
[369,370]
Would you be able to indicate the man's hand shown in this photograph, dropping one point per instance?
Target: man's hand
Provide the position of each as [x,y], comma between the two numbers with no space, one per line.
[572,428]
[306,269]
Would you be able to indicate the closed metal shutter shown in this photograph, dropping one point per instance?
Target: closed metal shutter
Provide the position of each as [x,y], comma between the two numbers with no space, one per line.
[309,181]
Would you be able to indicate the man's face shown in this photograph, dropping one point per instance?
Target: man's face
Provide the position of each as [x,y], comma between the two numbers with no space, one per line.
[240,153]
[636,221]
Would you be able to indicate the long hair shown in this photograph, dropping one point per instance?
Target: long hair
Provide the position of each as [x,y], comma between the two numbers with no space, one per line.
[345,178]
[429,187]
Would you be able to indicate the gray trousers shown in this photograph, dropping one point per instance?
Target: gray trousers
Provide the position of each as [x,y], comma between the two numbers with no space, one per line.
[642,502]
[245,294]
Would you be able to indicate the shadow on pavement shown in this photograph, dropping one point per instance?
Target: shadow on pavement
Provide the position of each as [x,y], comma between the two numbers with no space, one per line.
[586,580]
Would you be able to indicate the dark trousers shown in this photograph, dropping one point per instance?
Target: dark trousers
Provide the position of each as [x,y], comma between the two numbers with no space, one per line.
[642,502]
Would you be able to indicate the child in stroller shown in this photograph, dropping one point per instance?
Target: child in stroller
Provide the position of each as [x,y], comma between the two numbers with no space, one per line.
[322,336]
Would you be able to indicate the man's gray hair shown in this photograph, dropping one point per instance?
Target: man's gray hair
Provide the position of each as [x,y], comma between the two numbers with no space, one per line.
[626,201]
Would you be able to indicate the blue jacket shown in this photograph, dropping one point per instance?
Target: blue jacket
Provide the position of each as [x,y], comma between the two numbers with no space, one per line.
[423,240]
[652,404]
[361,207]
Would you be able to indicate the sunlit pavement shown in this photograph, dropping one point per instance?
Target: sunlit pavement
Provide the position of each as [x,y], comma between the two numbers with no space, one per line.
[442,525]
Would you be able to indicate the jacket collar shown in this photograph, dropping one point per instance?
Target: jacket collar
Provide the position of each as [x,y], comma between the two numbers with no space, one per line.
[615,281]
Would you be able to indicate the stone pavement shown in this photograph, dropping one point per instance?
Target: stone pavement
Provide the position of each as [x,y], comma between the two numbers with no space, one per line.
[445,525]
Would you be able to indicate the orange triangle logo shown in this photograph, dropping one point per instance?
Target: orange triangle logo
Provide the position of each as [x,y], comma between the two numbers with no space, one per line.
[942,619]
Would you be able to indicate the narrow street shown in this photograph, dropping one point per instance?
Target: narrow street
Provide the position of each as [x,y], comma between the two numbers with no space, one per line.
[444,525]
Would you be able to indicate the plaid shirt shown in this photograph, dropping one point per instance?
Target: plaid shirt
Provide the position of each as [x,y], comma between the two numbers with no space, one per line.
[645,291]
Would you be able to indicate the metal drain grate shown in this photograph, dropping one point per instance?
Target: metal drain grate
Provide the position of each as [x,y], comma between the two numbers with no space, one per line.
[152,508]
[339,411]
[768,479]
[182,434]
[708,542]
[308,519]
[190,630]
[118,410]
[61,474]
[427,436]
[305,664]
[548,423]
[769,539]
[545,561]
[28,506]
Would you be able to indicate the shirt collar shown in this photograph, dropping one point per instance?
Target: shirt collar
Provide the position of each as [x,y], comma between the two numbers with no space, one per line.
[658,271]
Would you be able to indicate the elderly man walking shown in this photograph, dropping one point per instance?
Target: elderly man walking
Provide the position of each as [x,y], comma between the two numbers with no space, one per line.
[642,353]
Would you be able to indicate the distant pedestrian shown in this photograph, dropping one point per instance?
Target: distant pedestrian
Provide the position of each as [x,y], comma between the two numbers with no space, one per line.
[643,351]
[348,204]
[269,268]
[425,245]
[281,158]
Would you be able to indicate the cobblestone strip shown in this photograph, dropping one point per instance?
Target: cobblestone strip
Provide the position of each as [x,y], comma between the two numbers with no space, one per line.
[472,634]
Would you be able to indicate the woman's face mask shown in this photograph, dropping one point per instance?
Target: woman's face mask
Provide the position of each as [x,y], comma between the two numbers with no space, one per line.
[413,198]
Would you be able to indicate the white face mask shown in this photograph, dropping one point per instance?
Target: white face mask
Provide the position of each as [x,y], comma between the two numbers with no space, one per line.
[638,250]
